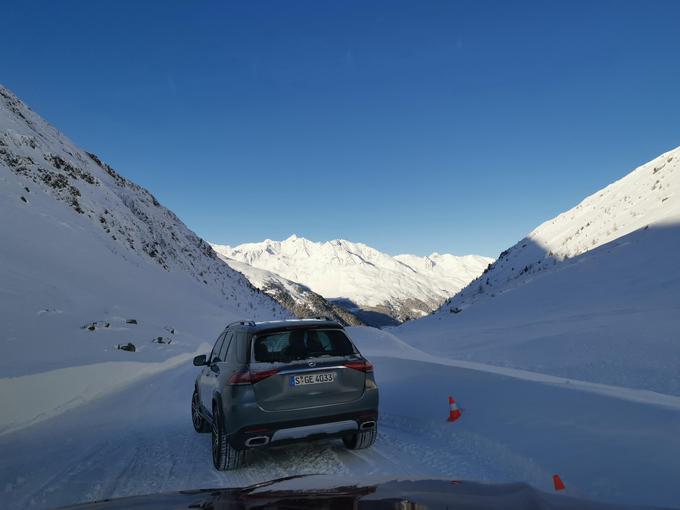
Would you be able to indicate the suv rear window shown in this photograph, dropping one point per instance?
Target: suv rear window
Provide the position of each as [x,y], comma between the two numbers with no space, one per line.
[285,346]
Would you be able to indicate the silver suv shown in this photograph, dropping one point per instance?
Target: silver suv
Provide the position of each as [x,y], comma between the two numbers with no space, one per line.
[269,383]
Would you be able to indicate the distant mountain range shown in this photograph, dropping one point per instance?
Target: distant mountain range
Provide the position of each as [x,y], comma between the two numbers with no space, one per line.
[377,288]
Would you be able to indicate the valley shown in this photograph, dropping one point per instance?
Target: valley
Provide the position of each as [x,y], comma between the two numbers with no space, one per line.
[562,353]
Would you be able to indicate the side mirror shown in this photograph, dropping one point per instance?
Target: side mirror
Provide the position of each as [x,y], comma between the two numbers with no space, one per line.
[200,361]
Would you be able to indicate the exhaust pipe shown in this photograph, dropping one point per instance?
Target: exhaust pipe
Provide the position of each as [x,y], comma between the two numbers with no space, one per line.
[257,441]
[367,425]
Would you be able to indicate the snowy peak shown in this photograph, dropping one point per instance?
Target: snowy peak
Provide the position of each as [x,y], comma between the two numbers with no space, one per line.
[361,277]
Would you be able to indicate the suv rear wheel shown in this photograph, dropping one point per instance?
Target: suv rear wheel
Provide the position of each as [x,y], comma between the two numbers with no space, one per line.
[362,439]
[225,457]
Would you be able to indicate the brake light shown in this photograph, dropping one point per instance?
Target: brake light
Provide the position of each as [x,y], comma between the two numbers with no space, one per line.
[248,377]
[362,366]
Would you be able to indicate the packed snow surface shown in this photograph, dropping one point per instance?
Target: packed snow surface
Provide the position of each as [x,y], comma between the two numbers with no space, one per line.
[515,427]
[405,286]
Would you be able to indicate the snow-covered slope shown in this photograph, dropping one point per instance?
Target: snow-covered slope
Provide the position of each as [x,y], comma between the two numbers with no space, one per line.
[360,277]
[650,195]
[592,294]
[90,260]
[297,298]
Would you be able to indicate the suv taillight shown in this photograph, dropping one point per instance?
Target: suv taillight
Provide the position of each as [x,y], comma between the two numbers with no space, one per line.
[362,366]
[248,377]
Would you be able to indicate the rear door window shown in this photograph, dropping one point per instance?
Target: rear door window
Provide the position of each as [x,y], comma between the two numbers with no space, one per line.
[236,352]
[286,346]
[215,354]
[242,342]
[225,346]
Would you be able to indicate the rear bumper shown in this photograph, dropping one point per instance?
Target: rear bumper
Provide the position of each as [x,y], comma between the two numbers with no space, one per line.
[338,425]
[245,419]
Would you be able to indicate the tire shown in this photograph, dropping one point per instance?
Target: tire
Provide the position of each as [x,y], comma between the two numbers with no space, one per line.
[361,440]
[200,424]
[225,457]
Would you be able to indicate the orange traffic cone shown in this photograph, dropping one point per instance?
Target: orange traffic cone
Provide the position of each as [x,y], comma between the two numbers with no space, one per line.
[454,412]
[557,481]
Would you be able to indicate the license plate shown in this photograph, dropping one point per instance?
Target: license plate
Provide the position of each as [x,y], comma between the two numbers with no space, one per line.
[301,380]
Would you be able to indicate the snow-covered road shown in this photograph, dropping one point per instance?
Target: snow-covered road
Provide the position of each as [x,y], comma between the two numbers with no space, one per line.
[140,440]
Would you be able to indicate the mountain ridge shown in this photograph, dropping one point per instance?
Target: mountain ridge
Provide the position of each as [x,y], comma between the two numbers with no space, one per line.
[295,297]
[82,245]
[645,196]
[359,277]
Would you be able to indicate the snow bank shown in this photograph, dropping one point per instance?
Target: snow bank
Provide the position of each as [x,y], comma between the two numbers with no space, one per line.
[379,342]
[376,342]
[30,399]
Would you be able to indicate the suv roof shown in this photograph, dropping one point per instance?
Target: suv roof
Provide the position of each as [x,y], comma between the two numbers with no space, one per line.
[256,327]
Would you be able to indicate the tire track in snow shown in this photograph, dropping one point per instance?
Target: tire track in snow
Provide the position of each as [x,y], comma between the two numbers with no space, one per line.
[136,443]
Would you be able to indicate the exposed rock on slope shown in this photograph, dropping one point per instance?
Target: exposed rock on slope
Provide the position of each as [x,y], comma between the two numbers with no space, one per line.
[297,298]
[82,243]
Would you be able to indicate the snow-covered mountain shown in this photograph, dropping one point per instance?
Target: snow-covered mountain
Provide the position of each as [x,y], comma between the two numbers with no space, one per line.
[297,298]
[593,293]
[648,196]
[90,260]
[360,278]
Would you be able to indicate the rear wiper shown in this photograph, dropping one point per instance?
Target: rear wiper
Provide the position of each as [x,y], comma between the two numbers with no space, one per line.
[284,360]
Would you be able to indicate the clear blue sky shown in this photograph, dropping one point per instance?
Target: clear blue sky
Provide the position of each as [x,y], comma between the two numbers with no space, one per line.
[411,126]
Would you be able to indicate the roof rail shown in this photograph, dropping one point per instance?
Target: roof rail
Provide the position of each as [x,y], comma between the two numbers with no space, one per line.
[242,323]
[324,318]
